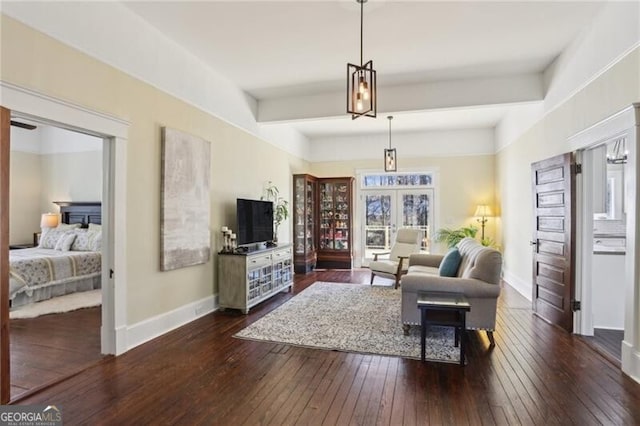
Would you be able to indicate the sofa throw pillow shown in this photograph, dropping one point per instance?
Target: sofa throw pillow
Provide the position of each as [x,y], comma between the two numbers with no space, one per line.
[450,263]
[65,241]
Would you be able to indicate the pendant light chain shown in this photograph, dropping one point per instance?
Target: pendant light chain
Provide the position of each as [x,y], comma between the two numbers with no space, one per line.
[361,31]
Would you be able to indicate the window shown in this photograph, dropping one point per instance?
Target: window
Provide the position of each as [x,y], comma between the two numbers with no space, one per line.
[396,180]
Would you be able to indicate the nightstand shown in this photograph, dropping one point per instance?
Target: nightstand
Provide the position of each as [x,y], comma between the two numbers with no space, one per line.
[20,246]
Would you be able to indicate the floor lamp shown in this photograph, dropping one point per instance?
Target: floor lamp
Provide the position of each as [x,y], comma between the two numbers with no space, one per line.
[482,212]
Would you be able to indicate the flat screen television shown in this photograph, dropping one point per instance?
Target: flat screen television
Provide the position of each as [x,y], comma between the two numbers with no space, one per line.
[255,221]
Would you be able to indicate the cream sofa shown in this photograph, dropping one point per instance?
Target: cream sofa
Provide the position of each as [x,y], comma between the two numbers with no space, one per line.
[478,278]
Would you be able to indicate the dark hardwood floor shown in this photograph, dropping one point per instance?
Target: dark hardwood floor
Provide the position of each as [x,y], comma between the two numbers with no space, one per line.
[608,341]
[51,347]
[200,374]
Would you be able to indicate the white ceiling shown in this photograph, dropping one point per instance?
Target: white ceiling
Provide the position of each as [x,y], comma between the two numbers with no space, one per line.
[276,49]
[467,118]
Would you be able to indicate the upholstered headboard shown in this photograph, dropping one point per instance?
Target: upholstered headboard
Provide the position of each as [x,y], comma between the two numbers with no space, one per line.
[84,212]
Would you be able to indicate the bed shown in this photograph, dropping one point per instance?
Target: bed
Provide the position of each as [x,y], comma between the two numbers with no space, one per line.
[68,259]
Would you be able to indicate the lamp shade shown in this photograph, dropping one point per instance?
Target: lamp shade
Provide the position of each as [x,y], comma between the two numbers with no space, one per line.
[483,210]
[49,220]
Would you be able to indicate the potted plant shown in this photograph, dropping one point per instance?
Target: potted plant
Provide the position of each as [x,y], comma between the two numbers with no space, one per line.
[451,237]
[280,207]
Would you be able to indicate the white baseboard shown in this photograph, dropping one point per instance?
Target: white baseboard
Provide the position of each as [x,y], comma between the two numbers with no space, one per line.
[521,286]
[151,328]
[113,342]
[630,361]
[121,340]
[602,327]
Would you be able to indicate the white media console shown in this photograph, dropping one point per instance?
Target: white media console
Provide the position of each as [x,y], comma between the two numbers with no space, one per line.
[246,279]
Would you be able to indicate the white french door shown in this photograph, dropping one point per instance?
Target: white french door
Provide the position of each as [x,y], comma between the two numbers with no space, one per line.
[379,221]
[387,210]
[415,210]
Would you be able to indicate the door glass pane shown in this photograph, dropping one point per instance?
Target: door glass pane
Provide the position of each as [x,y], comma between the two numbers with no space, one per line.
[298,234]
[311,208]
[391,180]
[326,216]
[415,213]
[377,223]
[341,217]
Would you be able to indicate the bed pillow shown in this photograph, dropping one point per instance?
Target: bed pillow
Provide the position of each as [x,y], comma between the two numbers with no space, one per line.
[85,240]
[97,242]
[65,241]
[68,226]
[97,246]
[50,236]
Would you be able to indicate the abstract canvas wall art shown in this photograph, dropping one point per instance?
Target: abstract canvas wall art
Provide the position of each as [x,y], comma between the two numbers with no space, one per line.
[184,220]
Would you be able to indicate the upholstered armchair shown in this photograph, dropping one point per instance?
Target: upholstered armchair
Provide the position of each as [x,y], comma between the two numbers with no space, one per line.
[407,243]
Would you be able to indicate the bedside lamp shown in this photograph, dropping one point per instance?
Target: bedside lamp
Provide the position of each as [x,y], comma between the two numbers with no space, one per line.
[482,212]
[49,220]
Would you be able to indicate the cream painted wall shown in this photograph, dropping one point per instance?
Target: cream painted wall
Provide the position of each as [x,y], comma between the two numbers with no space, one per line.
[613,91]
[70,177]
[25,189]
[241,163]
[39,177]
[434,143]
[461,184]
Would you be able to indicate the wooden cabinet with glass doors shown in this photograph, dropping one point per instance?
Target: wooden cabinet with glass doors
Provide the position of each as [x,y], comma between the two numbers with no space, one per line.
[335,223]
[304,223]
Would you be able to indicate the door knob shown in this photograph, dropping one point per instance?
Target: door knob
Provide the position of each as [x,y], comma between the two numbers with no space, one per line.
[533,243]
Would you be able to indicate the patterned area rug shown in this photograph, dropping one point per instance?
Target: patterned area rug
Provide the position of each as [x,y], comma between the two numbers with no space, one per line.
[351,318]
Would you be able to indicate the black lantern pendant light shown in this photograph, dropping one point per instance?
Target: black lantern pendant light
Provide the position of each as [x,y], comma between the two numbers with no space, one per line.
[390,164]
[361,83]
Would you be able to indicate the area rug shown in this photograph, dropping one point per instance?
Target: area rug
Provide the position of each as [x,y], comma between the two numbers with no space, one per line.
[67,303]
[351,318]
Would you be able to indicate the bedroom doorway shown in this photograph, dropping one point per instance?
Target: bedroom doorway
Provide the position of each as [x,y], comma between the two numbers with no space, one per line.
[55,174]
[21,103]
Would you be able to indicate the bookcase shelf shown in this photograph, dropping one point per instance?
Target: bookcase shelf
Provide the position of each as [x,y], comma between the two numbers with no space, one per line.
[335,223]
[322,217]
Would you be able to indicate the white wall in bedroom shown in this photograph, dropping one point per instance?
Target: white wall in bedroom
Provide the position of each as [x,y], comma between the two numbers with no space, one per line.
[50,164]
[25,185]
[71,166]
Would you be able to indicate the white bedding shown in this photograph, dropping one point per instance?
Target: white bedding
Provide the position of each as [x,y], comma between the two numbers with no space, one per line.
[43,273]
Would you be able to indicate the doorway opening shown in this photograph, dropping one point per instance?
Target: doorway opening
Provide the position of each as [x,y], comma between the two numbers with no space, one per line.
[48,165]
[392,201]
[604,216]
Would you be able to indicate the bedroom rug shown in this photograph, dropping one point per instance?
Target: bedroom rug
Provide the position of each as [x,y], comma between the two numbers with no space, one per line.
[67,303]
[350,318]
